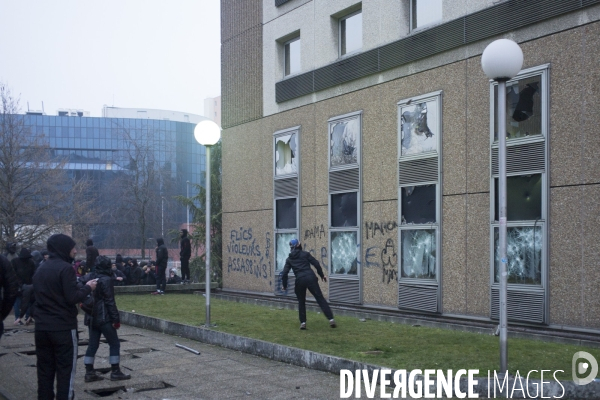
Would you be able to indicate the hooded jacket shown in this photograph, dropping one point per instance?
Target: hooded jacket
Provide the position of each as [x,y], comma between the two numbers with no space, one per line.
[8,283]
[37,258]
[105,307]
[299,261]
[55,288]
[185,246]
[162,254]
[24,267]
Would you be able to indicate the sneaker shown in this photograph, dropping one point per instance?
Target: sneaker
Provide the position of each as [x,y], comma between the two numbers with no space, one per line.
[92,377]
[303,326]
[119,376]
[332,323]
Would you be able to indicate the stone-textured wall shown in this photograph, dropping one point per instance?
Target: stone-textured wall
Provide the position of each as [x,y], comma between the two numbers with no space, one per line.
[241,61]
[574,221]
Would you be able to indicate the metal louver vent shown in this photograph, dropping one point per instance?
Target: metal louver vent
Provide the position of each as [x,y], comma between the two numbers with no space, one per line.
[287,187]
[291,284]
[417,171]
[346,70]
[344,290]
[418,297]
[345,179]
[521,304]
[529,157]
[294,87]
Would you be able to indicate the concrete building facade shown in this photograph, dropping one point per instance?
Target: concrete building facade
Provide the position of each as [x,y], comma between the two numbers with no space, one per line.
[367,130]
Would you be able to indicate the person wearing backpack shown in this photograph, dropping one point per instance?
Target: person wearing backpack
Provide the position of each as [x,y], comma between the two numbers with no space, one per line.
[103,319]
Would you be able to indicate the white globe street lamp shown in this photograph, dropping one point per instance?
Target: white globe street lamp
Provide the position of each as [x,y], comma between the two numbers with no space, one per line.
[501,61]
[207,133]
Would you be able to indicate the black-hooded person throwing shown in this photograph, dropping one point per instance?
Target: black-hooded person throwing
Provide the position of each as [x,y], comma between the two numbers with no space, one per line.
[104,320]
[300,261]
[56,295]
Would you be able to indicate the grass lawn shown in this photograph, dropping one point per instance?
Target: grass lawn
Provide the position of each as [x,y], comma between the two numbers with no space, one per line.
[381,343]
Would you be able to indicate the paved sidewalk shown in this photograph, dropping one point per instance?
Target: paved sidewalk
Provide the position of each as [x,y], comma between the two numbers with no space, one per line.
[160,370]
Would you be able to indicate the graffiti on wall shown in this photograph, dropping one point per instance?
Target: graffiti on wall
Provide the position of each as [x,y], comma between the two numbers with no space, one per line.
[316,232]
[247,256]
[383,254]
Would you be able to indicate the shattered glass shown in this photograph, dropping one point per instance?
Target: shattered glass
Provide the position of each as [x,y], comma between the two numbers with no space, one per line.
[285,213]
[344,141]
[523,108]
[418,254]
[282,241]
[285,154]
[418,204]
[344,211]
[344,247]
[524,254]
[523,198]
[416,122]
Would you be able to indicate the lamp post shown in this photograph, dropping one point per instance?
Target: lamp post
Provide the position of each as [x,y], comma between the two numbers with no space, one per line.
[162,216]
[187,186]
[501,61]
[207,133]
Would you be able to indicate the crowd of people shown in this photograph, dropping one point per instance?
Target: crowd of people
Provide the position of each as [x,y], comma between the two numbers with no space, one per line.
[49,285]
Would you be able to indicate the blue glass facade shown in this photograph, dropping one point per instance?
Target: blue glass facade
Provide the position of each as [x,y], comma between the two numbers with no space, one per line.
[100,149]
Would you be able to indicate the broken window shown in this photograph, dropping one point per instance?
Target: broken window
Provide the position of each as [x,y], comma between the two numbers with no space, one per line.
[418,126]
[344,141]
[523,108]
[344,211]
[523,198]
[285,154]
[351,33]
[285,213]
[418,204]
[418,253]
[523,252]
[282,241]
[344,253]
[425,12]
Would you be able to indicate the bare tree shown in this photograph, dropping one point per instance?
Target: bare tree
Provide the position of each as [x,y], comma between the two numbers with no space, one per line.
[144,187]
[36,196]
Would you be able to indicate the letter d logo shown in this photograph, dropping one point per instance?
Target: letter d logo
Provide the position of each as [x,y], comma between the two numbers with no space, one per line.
[580,367]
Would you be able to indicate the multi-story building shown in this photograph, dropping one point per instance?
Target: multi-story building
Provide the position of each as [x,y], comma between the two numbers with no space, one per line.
[108,149]
[367,130]
[212,109]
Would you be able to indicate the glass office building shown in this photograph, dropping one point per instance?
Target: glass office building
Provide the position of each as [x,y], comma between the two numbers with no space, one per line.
[105,150]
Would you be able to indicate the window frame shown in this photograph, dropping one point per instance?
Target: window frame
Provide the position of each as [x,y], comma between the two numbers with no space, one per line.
[285,55]
[413,16]
[340,35]
[295,231]
[357,115]
[544,72]
[437,225]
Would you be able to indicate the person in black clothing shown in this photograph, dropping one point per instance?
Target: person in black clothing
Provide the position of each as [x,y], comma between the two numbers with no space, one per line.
[56,295]
[24,268]
[174,278]
[103,321]
[90,254]
[162,258]
[10,287]
[184,255]
[135,272]
[118,276]
[299,261]
[149,277]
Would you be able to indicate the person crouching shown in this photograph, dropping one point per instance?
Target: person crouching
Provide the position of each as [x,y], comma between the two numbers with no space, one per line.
[104,320]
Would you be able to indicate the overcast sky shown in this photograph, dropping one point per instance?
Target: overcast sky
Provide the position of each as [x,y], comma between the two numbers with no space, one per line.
[83,54]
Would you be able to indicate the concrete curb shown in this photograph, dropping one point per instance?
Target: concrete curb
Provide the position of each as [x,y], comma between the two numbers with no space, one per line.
[323,362]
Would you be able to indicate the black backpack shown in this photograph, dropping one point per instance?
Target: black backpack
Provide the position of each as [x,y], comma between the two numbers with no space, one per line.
[88,304]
